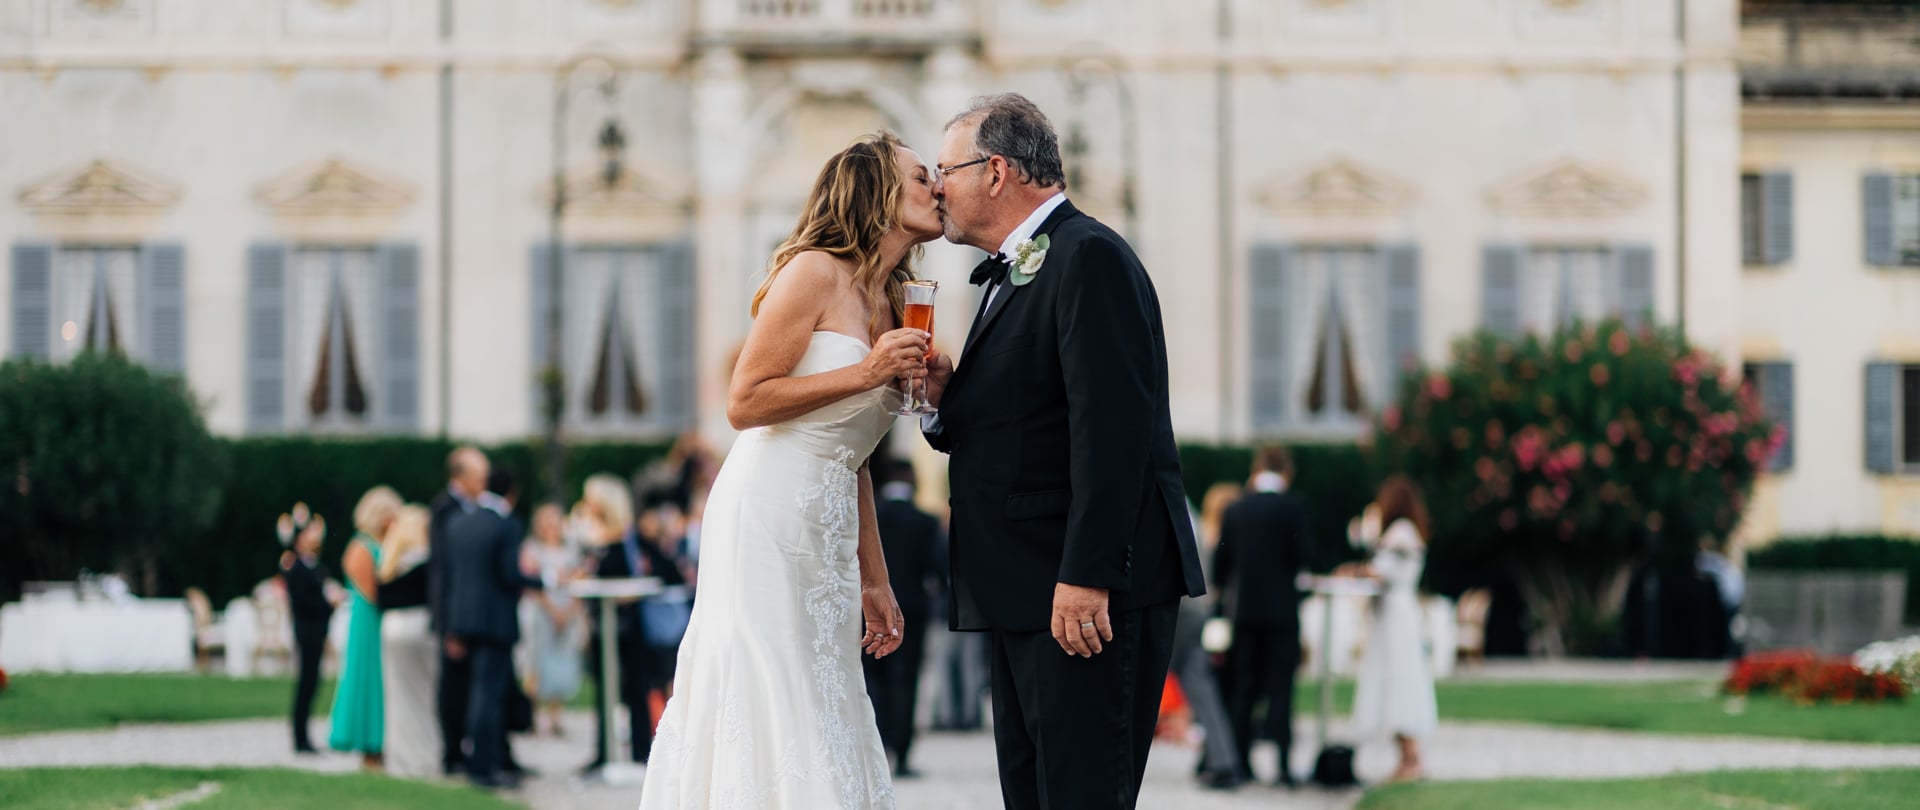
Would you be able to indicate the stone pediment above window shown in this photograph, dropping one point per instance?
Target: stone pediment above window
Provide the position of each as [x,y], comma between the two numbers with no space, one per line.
[1338,187]
[1569,188]
[632,192]
[332,187]
[100,187]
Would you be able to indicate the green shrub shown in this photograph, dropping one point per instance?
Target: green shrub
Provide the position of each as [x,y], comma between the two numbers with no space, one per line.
[1567,459]
[108,466]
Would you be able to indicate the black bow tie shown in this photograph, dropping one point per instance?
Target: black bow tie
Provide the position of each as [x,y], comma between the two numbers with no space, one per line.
[994,269]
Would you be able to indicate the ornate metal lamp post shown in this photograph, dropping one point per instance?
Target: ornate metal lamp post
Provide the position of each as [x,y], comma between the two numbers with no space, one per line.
[612,145]
[1080,75]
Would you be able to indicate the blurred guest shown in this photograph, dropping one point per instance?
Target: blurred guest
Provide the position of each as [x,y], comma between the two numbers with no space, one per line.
[1220,765]
[607,523]
[660,532]
[503,497]
[357,699]
[1265,542]
[467,471]
[559,626]
[305,579]
[483,592]
[916,553]
[409,651]
[1394,694]
[1722,608]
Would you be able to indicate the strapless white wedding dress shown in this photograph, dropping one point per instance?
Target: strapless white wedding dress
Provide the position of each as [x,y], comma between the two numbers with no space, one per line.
[769,706]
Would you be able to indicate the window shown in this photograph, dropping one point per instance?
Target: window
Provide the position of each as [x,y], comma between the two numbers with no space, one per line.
[71,299]
[1910,417]
[1766,218]
[626,338]
[1891,213]
[1541,289]
[332,338]
[1772,382]
[1332,328]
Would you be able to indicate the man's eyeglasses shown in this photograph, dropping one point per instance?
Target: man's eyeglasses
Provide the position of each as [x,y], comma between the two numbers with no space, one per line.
[947,171]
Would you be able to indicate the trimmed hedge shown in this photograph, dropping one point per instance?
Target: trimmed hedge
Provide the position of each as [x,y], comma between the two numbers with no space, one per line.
[330,475]
[1847,553]
[1337,480]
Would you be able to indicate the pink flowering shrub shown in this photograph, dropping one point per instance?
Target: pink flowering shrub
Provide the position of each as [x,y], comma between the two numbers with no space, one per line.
[1565,457]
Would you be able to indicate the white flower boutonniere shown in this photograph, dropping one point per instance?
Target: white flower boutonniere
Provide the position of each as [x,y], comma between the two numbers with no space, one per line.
[1027,258]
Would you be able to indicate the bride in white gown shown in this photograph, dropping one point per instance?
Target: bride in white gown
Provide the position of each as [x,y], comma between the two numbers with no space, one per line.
[769,708]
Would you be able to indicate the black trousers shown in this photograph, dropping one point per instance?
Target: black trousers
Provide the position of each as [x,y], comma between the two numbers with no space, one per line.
[310,643]
[490,675]
[634,680]
[1073,733]
[1264,659]
[893,685]
[455,681]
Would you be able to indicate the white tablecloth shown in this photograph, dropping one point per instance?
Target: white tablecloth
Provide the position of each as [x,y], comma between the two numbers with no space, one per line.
[148,635]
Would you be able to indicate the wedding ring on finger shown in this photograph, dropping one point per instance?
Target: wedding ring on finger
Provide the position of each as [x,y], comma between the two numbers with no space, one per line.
[1086,625]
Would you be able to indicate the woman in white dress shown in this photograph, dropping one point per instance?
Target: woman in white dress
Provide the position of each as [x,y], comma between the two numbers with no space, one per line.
[409,652]
[1394,694]
[769,708]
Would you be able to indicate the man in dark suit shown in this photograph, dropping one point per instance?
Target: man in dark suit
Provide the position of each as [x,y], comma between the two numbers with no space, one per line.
[916,552]
[1071,541]
[310,609]
[1265,542]
[467,472]
[483,623]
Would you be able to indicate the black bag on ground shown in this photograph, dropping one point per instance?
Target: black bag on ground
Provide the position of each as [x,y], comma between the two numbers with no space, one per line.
[1333,768]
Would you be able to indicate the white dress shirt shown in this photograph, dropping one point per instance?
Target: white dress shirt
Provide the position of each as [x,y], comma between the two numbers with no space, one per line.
[1022,233]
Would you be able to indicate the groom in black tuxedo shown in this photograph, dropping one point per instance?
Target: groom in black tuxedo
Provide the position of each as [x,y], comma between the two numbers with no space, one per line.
[1070,537]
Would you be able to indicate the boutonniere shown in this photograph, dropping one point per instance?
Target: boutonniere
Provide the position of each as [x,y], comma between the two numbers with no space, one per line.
[1027,258]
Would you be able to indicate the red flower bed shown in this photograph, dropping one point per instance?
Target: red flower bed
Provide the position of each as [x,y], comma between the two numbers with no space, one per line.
[1807,678]
[3,680]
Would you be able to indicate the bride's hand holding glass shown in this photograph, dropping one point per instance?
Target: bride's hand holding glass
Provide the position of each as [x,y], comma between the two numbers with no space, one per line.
[898,354]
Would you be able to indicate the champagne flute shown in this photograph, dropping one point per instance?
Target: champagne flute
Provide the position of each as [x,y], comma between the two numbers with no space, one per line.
[919,316]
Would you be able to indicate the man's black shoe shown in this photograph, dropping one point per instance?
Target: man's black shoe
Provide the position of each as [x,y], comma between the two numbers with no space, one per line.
[1220,780]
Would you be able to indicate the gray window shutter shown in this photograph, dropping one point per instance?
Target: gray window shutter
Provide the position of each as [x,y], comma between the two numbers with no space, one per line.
[679,390]
[1876,210]
[1403,316]
[32,301]
[163,298]
[399,284]
[266,350]
[538,261]
[1776,195]
[1881,378]
[1500,289]
[1776,398]
[1272,264]
[1636,285]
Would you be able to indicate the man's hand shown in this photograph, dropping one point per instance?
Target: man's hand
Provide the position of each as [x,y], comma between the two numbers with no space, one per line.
[939,371]
[1080,621]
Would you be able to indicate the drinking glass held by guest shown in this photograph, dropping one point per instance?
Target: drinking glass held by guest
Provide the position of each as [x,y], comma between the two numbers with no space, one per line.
[1394,694]
[559,626]
[357,724]
[409,650]
[308,606]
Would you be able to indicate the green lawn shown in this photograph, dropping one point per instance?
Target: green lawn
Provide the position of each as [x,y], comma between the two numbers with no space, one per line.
[35,703]
[1759,790]
[1673,707]
[102,788]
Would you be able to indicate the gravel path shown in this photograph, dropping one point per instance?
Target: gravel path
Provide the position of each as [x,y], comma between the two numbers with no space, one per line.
[959,768]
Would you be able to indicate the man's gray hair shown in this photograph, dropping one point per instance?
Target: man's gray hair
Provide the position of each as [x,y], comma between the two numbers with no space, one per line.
[1013,127]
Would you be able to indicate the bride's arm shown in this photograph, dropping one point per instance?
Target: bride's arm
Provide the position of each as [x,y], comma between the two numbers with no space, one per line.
[761,393]
[880,610]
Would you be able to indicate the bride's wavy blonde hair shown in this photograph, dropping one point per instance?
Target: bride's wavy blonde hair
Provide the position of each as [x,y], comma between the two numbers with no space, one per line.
[853,204]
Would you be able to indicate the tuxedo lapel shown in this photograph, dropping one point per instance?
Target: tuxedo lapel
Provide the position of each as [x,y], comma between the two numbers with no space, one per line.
[1007,288]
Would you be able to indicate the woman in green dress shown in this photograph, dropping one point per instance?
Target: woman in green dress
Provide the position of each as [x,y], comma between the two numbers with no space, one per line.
[359,709]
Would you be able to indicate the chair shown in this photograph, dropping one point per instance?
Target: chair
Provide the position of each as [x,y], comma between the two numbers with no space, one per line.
[271,630]
[207,635]
[1470,643]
